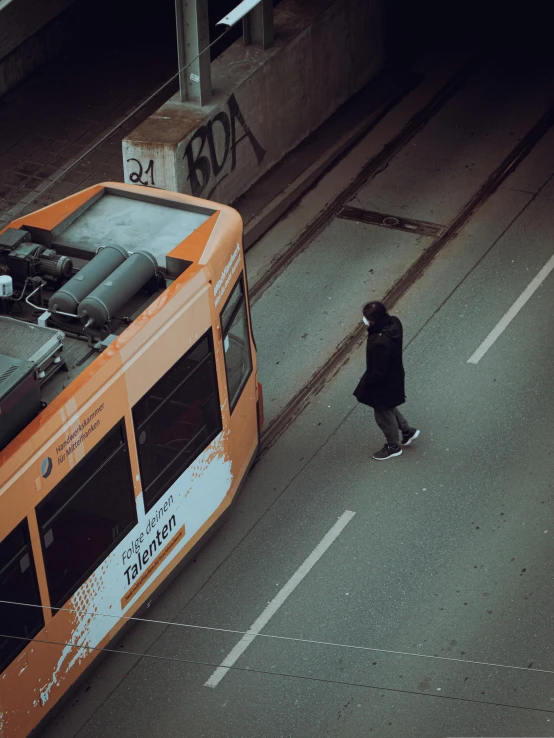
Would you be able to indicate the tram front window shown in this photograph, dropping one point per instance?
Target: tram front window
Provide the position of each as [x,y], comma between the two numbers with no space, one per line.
[236,343]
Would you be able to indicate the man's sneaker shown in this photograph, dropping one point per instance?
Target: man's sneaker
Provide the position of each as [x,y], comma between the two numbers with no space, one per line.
[387,452]
[409,437]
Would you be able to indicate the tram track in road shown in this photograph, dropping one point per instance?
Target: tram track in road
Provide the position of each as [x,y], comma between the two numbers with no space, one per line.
[356,337]
[371,168]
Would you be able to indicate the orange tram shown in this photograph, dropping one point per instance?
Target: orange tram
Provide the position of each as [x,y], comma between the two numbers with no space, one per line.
[130,412]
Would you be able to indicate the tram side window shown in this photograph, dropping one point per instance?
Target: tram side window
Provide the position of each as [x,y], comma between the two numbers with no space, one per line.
[18,583]
[86,515]
[177,419]
[236,343]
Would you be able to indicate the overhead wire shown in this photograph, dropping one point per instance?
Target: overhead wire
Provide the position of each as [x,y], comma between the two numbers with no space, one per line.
[268,636]
[340,682]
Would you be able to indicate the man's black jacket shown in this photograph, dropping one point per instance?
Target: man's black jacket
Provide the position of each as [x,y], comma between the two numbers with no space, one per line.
[382,384]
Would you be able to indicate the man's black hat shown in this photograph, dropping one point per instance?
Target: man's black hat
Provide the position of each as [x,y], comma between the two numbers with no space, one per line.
[375,312]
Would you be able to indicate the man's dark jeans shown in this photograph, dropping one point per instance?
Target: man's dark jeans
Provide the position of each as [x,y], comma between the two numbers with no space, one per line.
[390,421]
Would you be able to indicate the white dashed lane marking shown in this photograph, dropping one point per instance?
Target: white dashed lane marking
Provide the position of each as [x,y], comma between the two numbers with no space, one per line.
[504,322]
[278,600]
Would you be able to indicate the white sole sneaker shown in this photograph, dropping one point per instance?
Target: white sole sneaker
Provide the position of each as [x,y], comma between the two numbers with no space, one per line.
[389,456]
[412,438]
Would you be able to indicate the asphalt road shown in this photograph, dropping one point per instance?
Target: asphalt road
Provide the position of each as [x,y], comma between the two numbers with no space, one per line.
[429,613]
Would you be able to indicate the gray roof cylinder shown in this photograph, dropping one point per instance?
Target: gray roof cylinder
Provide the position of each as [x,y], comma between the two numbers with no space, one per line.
[120,286]
[67,299]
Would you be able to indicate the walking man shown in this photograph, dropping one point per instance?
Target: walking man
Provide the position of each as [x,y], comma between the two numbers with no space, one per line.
[382,385]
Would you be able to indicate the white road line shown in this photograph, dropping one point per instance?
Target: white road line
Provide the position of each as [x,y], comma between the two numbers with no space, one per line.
[280,597]
[512,312]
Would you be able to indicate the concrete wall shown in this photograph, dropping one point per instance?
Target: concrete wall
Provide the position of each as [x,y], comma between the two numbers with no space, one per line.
[265,103]
[31,31]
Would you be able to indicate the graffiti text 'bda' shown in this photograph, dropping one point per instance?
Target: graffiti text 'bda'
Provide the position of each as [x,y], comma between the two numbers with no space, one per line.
[204,166]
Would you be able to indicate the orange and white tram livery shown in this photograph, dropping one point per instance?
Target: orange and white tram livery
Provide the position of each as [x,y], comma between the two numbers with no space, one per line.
[130,412]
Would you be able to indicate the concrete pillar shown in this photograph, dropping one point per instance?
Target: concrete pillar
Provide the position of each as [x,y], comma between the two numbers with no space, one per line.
[267,102]
[193,38]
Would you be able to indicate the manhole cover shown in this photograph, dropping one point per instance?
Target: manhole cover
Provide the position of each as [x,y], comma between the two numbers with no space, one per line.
[419,227]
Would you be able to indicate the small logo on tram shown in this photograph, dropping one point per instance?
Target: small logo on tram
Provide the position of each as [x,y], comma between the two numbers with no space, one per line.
[46,467]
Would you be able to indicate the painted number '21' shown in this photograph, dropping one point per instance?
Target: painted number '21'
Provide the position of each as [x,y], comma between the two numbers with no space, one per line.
[137,177]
